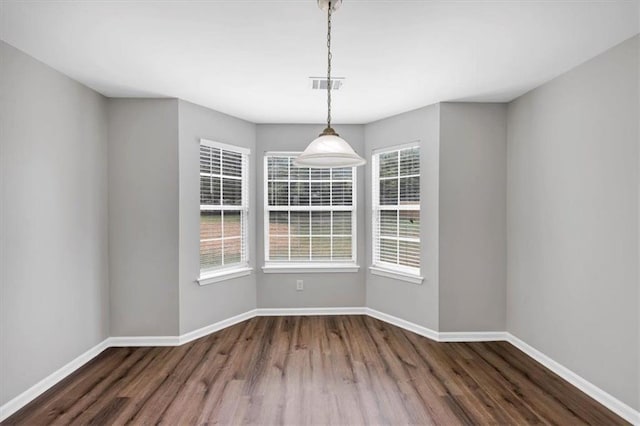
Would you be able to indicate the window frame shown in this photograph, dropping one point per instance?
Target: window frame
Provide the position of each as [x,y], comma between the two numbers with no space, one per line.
[378,267]
[242,268]
[310,266]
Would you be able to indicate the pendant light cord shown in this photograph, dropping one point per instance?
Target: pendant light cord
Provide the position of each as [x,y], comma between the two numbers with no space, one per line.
[329,66]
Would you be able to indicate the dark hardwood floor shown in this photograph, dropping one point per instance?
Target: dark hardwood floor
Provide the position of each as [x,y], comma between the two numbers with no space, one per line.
[315,370]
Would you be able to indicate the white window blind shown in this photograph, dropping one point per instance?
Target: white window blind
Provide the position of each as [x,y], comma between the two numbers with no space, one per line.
[309,213]
[224,206]
[396,209]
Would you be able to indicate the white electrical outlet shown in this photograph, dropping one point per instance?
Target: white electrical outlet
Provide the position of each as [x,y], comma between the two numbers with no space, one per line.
[299,285]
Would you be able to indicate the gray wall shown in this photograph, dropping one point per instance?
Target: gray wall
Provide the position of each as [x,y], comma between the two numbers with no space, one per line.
[571,211]
[320,289]
[143,216]
[417,303]
[53,221]
[204,305]
[572,204]
[473,226]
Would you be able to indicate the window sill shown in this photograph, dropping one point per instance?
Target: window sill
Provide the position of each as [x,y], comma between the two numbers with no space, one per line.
[398,275]
[223,275]
[293,268]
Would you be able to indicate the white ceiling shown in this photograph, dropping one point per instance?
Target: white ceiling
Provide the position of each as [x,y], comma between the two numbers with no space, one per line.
[252,59]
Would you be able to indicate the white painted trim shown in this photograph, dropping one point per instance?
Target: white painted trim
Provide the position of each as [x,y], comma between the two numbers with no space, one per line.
[609,401]
[399,272]
[472,336]
[281,153]
[244,209]
[418,329]
[43,385]
[384,149]
[398,275]
[205,331]
[225,146]
[302,268]
[267,209]
[224,274]
[446,336]
[604,398]
[269,312]
[143,341]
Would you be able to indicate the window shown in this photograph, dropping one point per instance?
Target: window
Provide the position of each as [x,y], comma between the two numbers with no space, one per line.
[309,216]
[396,210]
[224,209]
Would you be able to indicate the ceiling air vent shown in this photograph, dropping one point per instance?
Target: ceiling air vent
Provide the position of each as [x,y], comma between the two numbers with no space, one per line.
[320,83]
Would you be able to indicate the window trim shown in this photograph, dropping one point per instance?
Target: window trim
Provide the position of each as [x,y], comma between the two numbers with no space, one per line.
[236,270]
[225,146]
[297,266]
[396,274]
[400,272]
[323,268]
[224,274]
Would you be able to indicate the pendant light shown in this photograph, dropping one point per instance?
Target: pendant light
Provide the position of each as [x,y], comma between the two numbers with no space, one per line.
[329,149]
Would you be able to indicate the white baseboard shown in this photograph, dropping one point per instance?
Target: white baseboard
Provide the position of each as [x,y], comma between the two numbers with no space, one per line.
[205,331]
[418,329]
[270,312]
[612,403]
[45,384]
[472,336]
[604,398]
[444,336]
[141,341]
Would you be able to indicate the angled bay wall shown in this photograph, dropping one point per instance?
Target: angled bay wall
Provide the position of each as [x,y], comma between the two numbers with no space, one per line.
[201,306]
[417,303]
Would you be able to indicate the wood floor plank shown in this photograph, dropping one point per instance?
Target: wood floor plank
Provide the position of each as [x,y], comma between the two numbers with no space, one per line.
[503,397]
[548,383]
[55,403]
[315,370]
[107,382]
